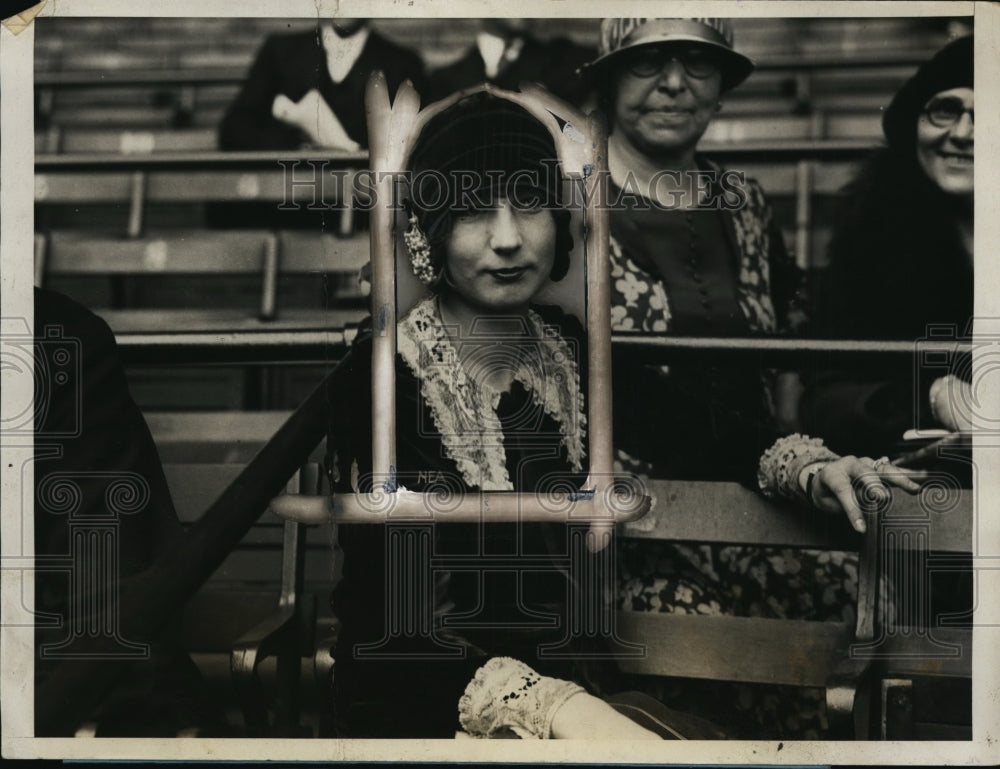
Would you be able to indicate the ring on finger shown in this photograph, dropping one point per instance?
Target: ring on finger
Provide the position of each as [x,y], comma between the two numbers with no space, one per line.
[880,463]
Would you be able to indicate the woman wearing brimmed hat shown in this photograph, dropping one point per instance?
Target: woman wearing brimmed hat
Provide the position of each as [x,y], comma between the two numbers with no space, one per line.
[695,251]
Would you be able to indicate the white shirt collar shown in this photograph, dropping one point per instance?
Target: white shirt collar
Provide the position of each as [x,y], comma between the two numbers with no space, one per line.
[343,52]
[491,48]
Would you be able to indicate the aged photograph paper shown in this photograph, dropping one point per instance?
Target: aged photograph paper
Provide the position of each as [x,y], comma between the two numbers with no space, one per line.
[384,380]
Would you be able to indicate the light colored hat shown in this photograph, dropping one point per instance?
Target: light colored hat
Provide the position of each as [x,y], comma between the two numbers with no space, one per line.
[619,35]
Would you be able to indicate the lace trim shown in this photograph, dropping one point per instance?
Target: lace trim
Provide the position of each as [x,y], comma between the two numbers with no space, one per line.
[464,411]
[777,473]
[555,387]
[507,694]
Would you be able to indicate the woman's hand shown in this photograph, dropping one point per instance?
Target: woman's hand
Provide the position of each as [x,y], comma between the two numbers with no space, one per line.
[854,485]
[585,717]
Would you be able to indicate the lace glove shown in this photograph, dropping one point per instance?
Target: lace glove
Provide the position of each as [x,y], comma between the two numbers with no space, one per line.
[507,694]
[780,466]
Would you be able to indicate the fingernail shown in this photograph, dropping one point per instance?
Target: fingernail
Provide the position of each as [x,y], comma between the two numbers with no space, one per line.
[860,527]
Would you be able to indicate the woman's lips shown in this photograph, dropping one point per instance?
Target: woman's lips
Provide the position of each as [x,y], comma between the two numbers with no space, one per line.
[509,274]
[669,115]
[956,159]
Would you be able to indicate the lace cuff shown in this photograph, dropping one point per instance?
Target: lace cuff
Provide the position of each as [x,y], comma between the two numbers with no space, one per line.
[507,694]
[779,468]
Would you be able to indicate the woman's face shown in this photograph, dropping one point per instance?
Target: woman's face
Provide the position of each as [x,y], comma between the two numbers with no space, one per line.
[665,96]
[945,140]
[498,258]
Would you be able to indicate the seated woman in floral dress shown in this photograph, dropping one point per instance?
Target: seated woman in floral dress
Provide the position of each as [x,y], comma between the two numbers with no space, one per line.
[696,251]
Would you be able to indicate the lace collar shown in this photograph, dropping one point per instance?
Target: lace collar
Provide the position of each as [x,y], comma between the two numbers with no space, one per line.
[464,410]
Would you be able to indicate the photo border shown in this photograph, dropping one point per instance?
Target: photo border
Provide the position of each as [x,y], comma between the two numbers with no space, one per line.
[16,646]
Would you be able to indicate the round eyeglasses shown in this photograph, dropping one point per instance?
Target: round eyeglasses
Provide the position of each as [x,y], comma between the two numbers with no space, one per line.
[649,61]
[947,111]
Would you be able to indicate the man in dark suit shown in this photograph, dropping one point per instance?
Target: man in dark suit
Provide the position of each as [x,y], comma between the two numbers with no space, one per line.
[308,88]
[507,55]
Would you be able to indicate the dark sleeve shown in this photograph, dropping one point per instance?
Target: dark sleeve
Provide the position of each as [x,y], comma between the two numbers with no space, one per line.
[788,286]
[409,683]
[93,447]
[859,406]
[248,123]
[563,80]
[409,66]
[92,420]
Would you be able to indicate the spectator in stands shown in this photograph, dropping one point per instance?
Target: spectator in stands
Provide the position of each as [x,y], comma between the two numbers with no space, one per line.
[97,467]
[909,213]
[695,251]
[470,416]
[506,54]
[308,88]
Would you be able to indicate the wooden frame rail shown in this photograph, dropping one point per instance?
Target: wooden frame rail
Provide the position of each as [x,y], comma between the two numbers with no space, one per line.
[316,345]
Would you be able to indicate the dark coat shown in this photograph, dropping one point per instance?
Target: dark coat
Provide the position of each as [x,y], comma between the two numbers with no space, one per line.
[295,64]
[417,696]
[552,63]
[98,470]
[897,267]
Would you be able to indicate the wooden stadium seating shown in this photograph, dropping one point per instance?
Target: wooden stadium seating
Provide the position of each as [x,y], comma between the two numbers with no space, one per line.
[851,662]
[203,255]
[265,594]
[800,653]
[131,142]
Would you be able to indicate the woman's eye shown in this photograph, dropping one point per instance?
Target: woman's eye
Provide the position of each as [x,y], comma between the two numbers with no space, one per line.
[528,203]
[471,214]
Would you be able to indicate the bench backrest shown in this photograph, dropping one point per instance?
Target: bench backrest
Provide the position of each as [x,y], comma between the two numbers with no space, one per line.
[263,256]
[787,651]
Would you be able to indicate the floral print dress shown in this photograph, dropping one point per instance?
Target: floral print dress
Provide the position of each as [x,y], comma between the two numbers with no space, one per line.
[767,288]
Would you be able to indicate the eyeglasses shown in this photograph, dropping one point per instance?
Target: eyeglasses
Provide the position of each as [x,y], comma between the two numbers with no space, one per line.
[649,61]
[947,111]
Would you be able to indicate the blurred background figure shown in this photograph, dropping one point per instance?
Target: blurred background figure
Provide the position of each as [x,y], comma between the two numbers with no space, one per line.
[308,88]
[901,260]
[93,446]
[506,54]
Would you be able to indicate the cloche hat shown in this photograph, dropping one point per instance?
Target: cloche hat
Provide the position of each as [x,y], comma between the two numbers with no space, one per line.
[620,35]
[951,67]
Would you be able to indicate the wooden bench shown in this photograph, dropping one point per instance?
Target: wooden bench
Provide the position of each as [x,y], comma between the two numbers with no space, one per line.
[849,662]
[136,140]
[859,666]
[160,169]
[252,628]
[263,256]
[796,174]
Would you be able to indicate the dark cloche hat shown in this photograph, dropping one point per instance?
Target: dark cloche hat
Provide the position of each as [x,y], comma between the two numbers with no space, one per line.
[951,67]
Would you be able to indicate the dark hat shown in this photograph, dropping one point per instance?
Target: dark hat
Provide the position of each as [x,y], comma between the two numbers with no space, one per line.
[619,35]
[478,150]
[479,147]
[951,67]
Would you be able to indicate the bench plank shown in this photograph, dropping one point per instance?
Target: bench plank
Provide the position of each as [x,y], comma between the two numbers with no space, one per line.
[794,652]
[730,513]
